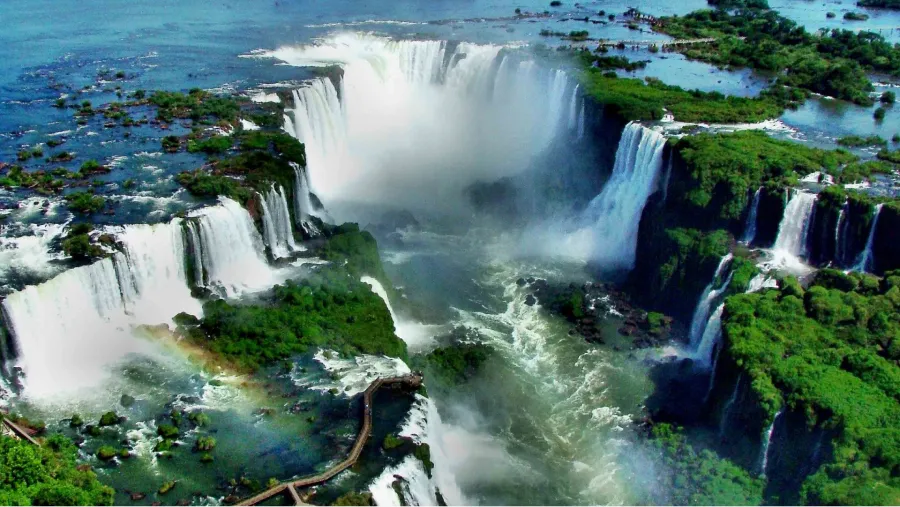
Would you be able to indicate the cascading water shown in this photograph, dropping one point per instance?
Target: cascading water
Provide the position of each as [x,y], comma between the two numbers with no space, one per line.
[750,227]
[710,293]
[664,185]
[231,249]
[417,336]
[767,442]
[839,234]
[864,263]
[612,218]
[723,422]
[152,272]
[277,226]
[573,109]
[439,128]
[303,207]
[78,323]
[711,335]
[794,228]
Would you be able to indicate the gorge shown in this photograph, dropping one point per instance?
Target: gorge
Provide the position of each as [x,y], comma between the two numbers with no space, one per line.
[608,308]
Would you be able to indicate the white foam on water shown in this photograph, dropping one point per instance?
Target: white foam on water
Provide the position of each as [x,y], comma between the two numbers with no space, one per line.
[353,376]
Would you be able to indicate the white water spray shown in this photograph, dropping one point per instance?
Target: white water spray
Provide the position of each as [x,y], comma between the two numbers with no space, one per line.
[839,234]
[865,258]
[607,230]
[404,128]
[794,228]
[277,223]
[767,442]
[710,293]
[232,251]
[750,227]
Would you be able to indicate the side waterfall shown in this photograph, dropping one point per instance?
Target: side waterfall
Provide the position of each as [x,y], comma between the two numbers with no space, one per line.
[767,442]
[794,228]
[417,336]
[701,313]
[839,229]
[277,226]
[864,263]
[231,249]
[303,206]
[750,228]
[723,422]
[78,323]
[615,214]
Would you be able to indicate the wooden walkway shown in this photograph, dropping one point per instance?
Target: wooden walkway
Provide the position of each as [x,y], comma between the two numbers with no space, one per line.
[18,432]
[676,42]
[413,380]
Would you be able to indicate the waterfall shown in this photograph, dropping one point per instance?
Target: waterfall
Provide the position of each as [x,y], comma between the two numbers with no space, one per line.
[712,375]
[710,293]
[794,228]
[573,109]
[196,252]
[279,232]
[864,262]
[711,335]
[481,116]
[231,249]
[750,228]
[303,207]
[70,330]
[730,403]
[423,425]
[151,272]
[615,214]
[767,442]
[416,335]
[839,234]
[664,185]
[581,121]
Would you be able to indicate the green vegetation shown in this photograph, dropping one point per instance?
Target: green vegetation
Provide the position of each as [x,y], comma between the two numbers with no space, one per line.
[423,454]
[633,99]
[858,142]
[330,309]
[879,113]
[199,419]
[77,244]
[75,421]
[392,441]
[212,145]
[85,203]
[166,487]
[724,167]
[833,63]
[829,352]
[589,59]
[864,171]
[106,453]
[855,16]
[354,499]
[457,363]
[264,159]
[167,431]
[701,478]
[888,97]
[47,475]
[109,419]
[39,181]
[196,105]
[889,156]
[689,250]
[170,144]
[205,443]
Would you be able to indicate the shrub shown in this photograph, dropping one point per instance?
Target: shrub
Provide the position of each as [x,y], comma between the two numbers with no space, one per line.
[109,419]
[879,114]
[888,97]
[85,202]
[106,453]
[205,443]
[167,431]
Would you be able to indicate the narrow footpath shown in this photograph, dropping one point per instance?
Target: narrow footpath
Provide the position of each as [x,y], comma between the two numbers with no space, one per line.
[413,380]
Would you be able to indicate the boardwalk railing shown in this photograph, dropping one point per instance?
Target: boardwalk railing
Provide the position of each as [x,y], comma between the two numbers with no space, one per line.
[414,380]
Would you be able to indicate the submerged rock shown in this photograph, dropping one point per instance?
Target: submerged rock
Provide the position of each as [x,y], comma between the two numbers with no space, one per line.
[530,300]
